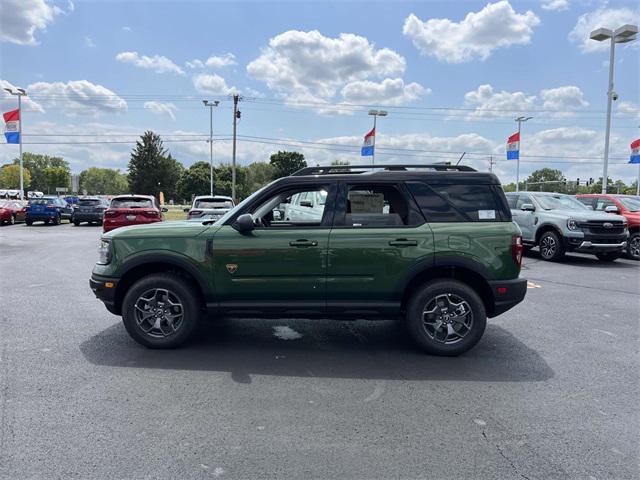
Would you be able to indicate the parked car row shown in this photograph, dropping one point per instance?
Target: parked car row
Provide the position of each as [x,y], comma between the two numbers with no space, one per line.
[607,226]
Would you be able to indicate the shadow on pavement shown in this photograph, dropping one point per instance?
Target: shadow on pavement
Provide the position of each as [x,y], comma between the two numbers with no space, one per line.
[329,349]
[583,259]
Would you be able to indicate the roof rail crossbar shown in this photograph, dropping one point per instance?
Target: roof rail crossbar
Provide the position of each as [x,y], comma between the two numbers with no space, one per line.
[346,169]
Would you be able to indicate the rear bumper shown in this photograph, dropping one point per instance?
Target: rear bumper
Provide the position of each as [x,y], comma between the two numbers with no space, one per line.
[104,289]
[87,217]
[42,215]
[507,294]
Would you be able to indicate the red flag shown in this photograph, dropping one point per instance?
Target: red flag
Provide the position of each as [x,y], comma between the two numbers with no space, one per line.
[12,116]
[514,138]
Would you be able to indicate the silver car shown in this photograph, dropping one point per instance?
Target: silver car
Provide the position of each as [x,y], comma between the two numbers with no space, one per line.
[208,207]
[559,223]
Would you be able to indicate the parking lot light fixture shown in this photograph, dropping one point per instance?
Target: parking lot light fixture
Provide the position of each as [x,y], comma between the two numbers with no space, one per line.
[209,104]
[624,34]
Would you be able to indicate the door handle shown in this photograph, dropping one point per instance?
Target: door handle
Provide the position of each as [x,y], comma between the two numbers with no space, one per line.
[403,242]
[303,243]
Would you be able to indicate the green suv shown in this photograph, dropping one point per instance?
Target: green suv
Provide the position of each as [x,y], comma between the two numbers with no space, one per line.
[433,245]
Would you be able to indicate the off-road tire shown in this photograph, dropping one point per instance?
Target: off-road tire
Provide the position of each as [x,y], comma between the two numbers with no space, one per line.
[551,247]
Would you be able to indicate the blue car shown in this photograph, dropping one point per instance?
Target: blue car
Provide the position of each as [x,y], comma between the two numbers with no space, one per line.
[48,209]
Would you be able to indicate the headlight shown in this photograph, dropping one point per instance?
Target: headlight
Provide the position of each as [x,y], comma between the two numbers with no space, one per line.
[572,224]
[104,251]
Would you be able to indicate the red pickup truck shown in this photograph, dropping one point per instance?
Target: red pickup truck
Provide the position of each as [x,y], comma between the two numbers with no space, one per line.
[626,205]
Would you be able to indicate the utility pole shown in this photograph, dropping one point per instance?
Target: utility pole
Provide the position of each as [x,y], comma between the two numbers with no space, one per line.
[491,164]
[20,92]
[236,116]
[519,120]
[209,104]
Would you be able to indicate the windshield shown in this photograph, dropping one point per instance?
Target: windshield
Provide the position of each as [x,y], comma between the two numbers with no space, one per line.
[230,213]
[88,202]
[212,203]
[131,203]
[559,202]
[631,204]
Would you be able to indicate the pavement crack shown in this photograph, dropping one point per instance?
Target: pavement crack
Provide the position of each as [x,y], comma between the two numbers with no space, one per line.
[502,454]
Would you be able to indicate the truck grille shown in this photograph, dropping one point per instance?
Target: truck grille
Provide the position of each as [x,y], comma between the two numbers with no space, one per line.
[613,227]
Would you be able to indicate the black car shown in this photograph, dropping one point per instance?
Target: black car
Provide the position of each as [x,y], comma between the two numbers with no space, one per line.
[90,210]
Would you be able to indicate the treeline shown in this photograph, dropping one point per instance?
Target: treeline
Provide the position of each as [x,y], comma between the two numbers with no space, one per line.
[151,170]
[551,180]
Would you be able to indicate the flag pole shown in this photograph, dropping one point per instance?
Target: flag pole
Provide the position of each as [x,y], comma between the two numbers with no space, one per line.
[373,157]
[518,159]
[20,137]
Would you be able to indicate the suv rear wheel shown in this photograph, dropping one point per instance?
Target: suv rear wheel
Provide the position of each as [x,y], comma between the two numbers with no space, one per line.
[446,317]
[160,311]
[551,247]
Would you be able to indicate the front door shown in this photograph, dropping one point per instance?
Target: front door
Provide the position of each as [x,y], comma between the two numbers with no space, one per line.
[281,264]
[525,219]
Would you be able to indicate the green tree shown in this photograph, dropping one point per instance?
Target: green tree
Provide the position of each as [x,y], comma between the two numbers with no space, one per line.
[222,181]
[105,181]
[152,169]
[556,178]
[37,164]
[258,175]
[10,177]
[55,177]
[194,181]
[285,163]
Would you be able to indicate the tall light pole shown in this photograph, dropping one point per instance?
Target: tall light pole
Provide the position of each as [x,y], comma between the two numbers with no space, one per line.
[519,120]
[209,104]
[376,114]
[236,116]
[624,34]
[20,92]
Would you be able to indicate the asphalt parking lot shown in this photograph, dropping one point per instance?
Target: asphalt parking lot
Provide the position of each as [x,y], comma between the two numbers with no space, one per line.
[550,392]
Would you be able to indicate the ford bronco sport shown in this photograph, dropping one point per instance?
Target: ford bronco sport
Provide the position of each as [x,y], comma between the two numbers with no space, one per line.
[433,245]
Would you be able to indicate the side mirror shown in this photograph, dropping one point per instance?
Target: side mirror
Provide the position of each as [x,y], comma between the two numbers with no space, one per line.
[164,209]
[306,203]
[611,209]
[528,207]
[244,223]
[186,210]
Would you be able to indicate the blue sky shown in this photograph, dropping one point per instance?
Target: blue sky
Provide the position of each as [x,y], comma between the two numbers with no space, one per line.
[453,76]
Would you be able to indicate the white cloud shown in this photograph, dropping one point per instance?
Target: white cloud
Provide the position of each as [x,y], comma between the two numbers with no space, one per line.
[10,102]
[157,63]
[391,91]
[489,103]
[566,98]
[21,19]
[77,97]
[629,109]
[557,5]
[89,42]
[126,28]
[496,25]
[603,17]
[214,61]
[309,67]
[212,84]
[160,108]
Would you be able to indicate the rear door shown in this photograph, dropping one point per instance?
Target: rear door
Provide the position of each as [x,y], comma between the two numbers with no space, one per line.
[378,235]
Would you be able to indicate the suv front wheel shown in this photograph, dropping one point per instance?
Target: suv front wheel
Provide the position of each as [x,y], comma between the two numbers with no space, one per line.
[161,311]
[551,247]
[446,317]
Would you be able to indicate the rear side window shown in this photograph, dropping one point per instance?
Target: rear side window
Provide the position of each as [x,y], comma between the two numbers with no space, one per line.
[459,203]
[131,203]
[376,206]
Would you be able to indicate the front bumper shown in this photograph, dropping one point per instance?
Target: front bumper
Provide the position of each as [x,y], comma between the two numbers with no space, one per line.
[506,294]
[596,243]
[104,289]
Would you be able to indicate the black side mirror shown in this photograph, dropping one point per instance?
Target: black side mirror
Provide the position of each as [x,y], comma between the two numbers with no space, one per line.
[164,210]
[186,210]
[244,223]
[306,203]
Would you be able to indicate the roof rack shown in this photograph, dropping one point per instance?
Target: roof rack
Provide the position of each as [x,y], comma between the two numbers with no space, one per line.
[347,169]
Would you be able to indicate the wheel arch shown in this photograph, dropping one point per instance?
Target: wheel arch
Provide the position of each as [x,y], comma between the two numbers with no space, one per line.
[547,227]
[465,271]
[157,263]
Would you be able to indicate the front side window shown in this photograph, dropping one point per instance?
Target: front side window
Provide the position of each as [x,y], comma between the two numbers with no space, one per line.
[522,200]
[375,206]
[293,208]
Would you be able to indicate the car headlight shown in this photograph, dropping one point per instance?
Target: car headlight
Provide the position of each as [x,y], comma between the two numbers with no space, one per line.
[104,251]
[572,224]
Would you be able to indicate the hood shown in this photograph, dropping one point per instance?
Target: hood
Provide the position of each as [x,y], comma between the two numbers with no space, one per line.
[159,229]
[583,215]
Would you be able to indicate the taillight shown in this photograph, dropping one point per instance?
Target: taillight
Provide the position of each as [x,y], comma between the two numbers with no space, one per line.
[517,249]
[110,213]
